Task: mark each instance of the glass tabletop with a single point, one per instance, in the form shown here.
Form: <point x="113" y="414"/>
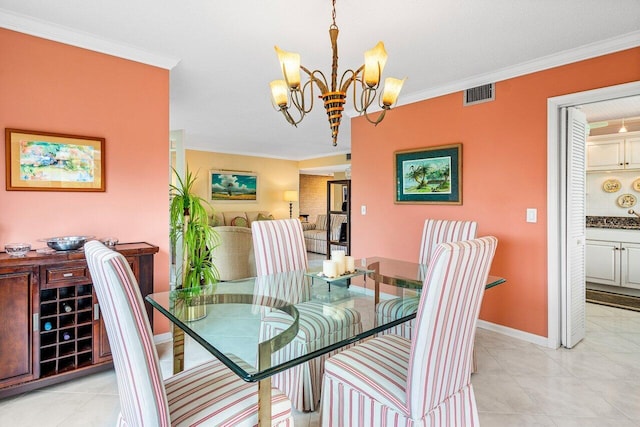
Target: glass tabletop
<point x="245" y="323"/>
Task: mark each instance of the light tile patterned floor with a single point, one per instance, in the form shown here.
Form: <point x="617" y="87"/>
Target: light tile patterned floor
<point x="519" y="384"/>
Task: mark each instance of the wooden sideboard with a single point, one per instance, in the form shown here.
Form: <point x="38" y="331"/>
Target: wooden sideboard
<point x="51" y="329"/>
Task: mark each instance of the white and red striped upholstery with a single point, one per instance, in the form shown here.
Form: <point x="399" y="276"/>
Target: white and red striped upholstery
<point x="438" y="231"/>
<point x="434" y="232"/>
<point x="279" y="248"/>
<point x="426" y="381"/>
<point x="208" y="394"/>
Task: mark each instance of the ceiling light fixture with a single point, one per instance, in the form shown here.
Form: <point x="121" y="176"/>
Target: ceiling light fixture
<point x="623" y="129"/>
<point x="289" y="92"/>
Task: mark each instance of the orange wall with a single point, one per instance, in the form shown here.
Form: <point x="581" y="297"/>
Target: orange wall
<point x="50" y="86"/>
<point x="504" y="165"/>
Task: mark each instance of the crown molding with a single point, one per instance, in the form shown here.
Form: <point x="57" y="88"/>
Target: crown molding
<point x="59" y="33"/>
<point x="592" y="50"/>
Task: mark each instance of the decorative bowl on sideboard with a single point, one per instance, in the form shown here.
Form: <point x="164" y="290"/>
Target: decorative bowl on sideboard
<point x="17" y="249"/>
<point x="67" y="243"/>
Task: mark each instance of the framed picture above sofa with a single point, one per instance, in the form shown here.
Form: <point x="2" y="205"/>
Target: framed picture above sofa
<point x="233" y="186"/>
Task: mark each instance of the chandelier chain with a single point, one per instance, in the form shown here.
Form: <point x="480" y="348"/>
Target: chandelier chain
<point x="333" y="14"/>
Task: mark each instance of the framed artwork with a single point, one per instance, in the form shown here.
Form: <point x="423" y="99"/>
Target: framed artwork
<point x="233" y="186"/>
<point x="45" y="161"/>
<point x="429" y="175"/>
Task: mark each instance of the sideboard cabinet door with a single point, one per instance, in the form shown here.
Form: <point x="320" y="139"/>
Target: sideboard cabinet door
<point x="18" y="328"/>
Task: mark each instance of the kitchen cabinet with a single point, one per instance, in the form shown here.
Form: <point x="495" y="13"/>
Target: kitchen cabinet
<point x="613" y="152"/>
<point x="613" y="263"/>
<point x="50" y="324"/>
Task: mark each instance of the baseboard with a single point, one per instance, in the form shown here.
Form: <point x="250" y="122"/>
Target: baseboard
<point x="514" y="333"/>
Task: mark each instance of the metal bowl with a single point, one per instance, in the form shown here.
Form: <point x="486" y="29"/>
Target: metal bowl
<point x="67" y="243"/>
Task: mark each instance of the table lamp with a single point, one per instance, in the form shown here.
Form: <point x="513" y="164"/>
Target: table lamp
<point x="291" y="196"/>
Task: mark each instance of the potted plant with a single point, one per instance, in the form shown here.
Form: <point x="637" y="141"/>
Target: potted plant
<point x="195" y="272"/>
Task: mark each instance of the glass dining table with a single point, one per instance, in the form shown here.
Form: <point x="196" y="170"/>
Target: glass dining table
<point x="227" y="319"/>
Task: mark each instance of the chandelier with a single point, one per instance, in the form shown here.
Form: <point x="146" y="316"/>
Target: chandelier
<point x="290" y="93"/>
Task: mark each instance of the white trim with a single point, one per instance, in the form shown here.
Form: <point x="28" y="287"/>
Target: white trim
<point x="514" y="333"/>
<point x="47" y="30"/>
<point x="162" y="338"/>
<point x="554" y="169"/>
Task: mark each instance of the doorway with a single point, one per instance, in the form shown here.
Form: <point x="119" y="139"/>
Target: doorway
<point x="558" y="219"/>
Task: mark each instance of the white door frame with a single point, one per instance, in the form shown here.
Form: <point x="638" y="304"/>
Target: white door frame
<point x="555" y="261"/>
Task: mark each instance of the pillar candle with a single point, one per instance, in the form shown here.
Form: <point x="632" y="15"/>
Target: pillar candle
<point x="350" y="264"/>
<point x="338" y="256"/>
<point x="329" y="268"/>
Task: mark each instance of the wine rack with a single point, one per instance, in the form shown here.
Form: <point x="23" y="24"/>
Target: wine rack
<point x="66" y="328"/>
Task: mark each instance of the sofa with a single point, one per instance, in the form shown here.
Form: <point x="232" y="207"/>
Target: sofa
<point x="315" y="234"/>
<point x="234" y="256"/>
<point x="238" y="218"/>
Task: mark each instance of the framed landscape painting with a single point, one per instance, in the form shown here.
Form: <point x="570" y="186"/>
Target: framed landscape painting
<point x="233" y="186"/>
<point x="429" y="175"/>
<point x="45" y="161"/>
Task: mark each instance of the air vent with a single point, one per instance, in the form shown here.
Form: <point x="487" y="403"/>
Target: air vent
<point x="480" y="94"/>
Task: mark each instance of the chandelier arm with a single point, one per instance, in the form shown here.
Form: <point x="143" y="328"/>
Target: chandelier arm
<point x="289" y="118"/>
<point x="322" y="84"/>
<point x="344" y="84"/>
<point x="297" y="100"/>
<point x="378" y="119"/>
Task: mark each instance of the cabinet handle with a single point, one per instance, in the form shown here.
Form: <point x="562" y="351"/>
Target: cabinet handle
<point x="622" y="249"/>
<point x="616" y="249"/>
<point x="96" y="311"/>
<point x="67" y="275"/>
<point x="36" y="322"/>
<point x="626" y="163"/>
<point x="620" y="164"/>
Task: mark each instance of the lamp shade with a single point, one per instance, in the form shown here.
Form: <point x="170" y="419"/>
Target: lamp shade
<point x="290" y="66"/>
<point x="374" y="62"/>
<point x="392" y="88"/>
<point x="279" y="93"/>
<point x="290" y="196"/>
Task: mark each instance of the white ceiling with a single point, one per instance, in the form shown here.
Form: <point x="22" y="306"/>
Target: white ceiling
<point x="225" y="57"/>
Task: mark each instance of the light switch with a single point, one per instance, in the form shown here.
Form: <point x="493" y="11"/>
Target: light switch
<point x="363" y="209"/>
<point x="532" y="215"/>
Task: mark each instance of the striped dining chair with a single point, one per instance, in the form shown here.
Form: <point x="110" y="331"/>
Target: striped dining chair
<point x="391" y="380"/>
<point x="207" y="394"/>
<point x="434" y="232"/>
<point x="279" y="248"/>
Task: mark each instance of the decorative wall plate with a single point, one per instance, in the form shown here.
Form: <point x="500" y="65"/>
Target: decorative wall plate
<point x="611" y="185"/>
<point x="636" y="185"/>
<point x="627" y="200"/>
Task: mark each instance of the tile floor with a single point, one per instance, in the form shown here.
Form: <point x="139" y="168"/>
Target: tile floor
<point x="519" y="384"/>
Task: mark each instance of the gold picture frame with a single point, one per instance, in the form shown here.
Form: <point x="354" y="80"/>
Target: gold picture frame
<point x="46" y="161"/>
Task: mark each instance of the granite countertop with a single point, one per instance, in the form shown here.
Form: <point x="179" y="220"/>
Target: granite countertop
<point x="614" y="222"/>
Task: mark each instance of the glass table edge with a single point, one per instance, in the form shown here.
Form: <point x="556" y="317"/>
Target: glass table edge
<point x="257" y="376"/>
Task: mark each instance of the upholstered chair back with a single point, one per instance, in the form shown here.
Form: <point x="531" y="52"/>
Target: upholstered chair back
<point x="442" y="345"/>
<point x="278" y="246"/>
<point x="437" y="231"/>
<point x="143" y="400"/>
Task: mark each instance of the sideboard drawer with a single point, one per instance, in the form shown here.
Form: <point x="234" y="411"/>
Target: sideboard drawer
<point x="75" y="272"/>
